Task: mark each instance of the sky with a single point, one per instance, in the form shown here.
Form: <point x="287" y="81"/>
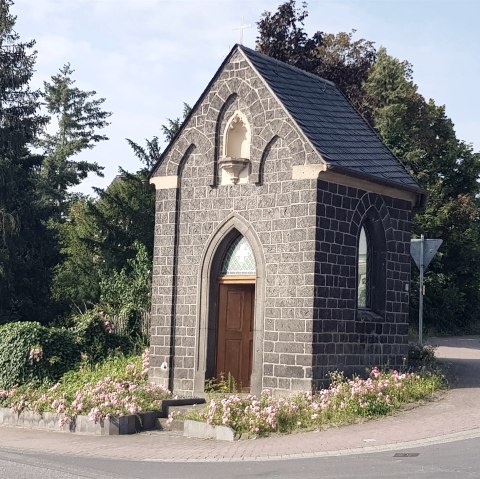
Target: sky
<point x="147" y="57"/>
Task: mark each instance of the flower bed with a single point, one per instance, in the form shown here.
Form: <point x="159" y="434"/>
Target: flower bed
<point x="126" y="392"/>
<point x="113" y="425"/>
<point x="345" y="401"/>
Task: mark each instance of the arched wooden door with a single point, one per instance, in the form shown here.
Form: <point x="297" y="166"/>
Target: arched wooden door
<point x="236" y="306"/>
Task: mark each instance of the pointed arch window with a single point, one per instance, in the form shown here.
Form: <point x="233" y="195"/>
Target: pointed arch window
<point x="371" y="266"/>
<point x="363" y="268"/>
<point x="239" y="259"/>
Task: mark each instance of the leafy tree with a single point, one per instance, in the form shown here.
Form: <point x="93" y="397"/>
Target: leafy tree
<point x="281" y="36"/>
<point x="98" y="237"/>
<point x="347" y="63"/>
<point x="420" y="134"/>
<point x="128" y="290"/>
<point x="78" y="116"/>
<point x="338" y="58"/>
<point x="25" y="244"/>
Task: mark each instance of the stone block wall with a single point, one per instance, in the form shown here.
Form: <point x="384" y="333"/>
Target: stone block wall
<point x="278" y="210"/>
<point x="345" y="338"/>
<point x="307" y="231"/>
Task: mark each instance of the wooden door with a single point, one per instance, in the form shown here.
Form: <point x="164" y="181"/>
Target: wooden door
<point x="235" y="333"/>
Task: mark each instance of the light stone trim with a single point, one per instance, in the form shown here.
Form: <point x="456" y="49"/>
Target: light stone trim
<point x="307" y="172"/>
<point x="370" y="186"/>
<point x="203" y="430"/>
<point x="165" y="182"/>
<point x="314" y="172"/>
<point x="208" y="314"/>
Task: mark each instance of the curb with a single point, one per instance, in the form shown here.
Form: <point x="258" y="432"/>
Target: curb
<point x="202" y="430"/>
<point x="444" y="439"/>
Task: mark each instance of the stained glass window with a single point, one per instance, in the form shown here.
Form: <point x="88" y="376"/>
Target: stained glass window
<point x="363" y="269"/>
<point x="239" y="259"/>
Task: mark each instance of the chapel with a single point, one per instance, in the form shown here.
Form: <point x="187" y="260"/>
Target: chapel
<point x="282" y="237"/>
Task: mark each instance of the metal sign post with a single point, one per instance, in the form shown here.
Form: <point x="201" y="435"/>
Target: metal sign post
<point x="420" y="293"/>
<point x="422" y="252"/>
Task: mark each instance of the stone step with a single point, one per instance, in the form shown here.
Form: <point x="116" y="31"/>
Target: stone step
<point x="169" y="405"/>
<point x="162" y="424"/>
<point x="184" y="409"/>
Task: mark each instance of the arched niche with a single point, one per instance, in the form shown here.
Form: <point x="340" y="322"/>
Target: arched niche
<point x="235" y="162"/>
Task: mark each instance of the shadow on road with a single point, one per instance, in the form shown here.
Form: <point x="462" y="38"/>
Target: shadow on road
<point x="462" y="357"/>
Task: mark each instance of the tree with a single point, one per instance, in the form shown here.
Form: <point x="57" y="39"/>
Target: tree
<point x="420" y="134"/>
<point x="25" y="244"/>
<point x="148" y="155"/>
<point x="423" y="137"/>
<point x="281" y="36"/>
<point x="173" y="126"/>
<point x="76" y="276"/>
<point x="98" y="237"/>
<point x="347" y="63"/>
<point x="338" y="58"/>
<point x="101" y="238"/>
<point x="78" y="116"/>
<point x="128" y="291"/>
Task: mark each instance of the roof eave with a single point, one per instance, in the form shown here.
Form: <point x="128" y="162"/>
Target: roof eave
<point x="420" y="193"/>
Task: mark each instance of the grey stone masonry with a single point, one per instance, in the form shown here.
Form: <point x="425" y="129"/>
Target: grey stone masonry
<point x="346" y="338"/>
<point x="279" y="210"/>
<point x="304" y="235"/>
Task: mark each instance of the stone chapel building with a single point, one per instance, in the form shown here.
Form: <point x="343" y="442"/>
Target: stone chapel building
<point x="282" y="236"/>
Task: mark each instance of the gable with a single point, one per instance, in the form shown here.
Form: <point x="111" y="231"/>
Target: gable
<point x="322" y="130"/>
<point x="236" y="91"/>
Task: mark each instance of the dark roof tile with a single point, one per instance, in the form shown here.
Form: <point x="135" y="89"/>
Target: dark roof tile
<point x="329" y="121"/>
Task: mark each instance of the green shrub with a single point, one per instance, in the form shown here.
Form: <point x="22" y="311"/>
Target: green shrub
<point x="421" y="356"/>
<point x="97" y="338"/>
<point x="32" y="353"/>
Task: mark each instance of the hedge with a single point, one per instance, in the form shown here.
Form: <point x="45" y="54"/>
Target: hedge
<point x="32" y="353"/>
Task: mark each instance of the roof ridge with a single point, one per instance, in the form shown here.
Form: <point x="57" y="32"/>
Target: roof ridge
<point x="329" y="122"/>
<point x="287" y="65"/>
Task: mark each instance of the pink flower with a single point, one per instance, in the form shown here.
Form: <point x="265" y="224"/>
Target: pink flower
<point x="36" y="354"/>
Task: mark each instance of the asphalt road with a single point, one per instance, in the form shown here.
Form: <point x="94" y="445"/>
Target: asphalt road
<point x="460" y="459"/>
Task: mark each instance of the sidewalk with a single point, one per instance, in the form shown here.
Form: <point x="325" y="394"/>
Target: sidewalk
<point x="456" y="416"/>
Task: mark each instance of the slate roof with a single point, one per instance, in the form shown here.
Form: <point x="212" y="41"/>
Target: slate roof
<point x="330" y="122"/>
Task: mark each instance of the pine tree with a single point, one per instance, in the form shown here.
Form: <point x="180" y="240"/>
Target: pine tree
<point x="25" y="244"/>
<point x="79" y="117"/>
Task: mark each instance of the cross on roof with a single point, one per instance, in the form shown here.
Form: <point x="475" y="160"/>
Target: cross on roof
<point x="242" y="27"/>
